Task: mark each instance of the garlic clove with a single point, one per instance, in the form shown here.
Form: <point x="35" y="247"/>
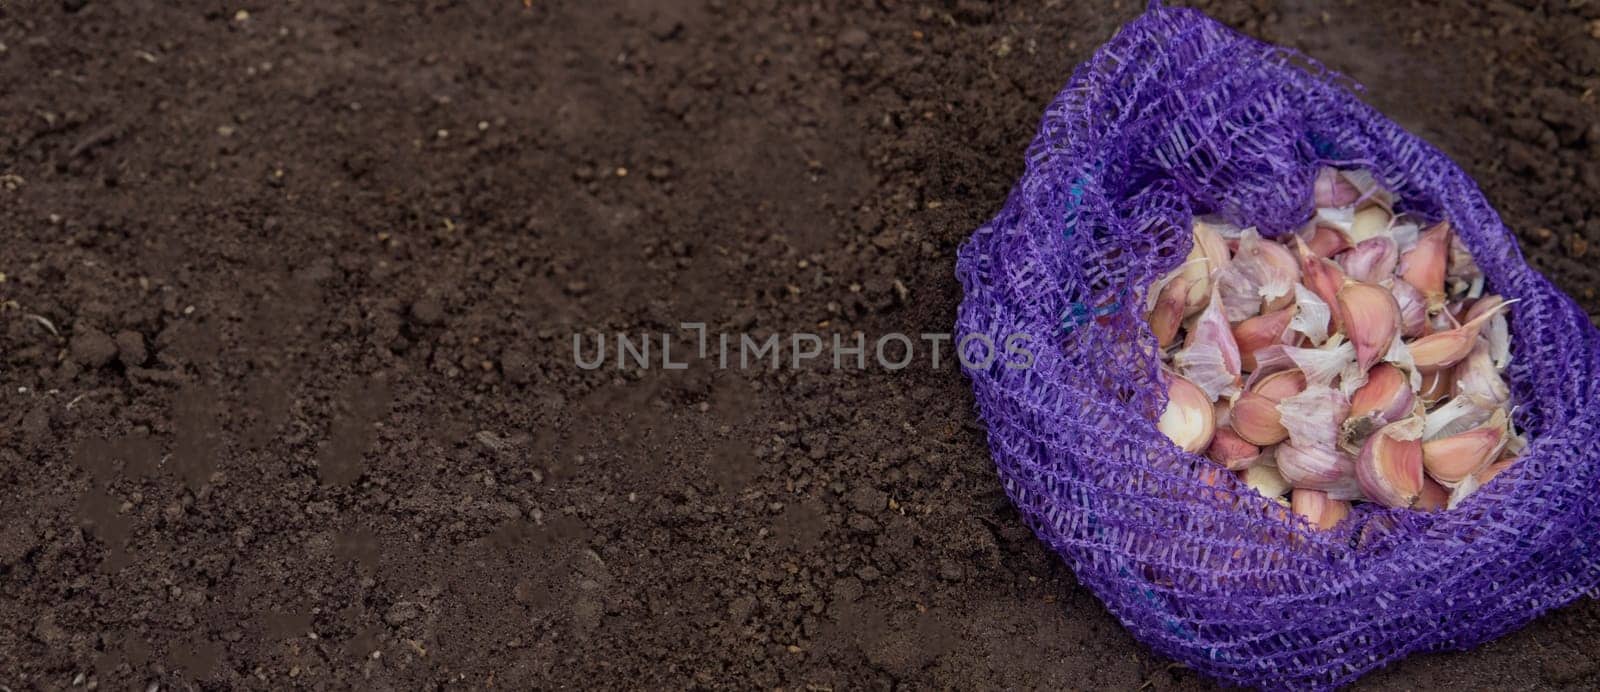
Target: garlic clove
<point x="1370" y="222"/>
<point x="1424" y="265"/>
<point x="1332" y="190"/>
<point x="1413" y="308"/>
<point x="1324" y="278"/>
<point x="1483" y="305"/>
<point x="1498" y="329"/>
<point x="1326" y="241"/>
<point x="1433" y="498"/>
<point x="1313" y="417"/>
<point x="1371" y="319"/>
<point x="1371" y="260"/>
<point x="1446" y="348"/>
<point x="1487" y="474"/>
<point x="1270" y="266"/>
<point x="1318" y="468"/>
<point x="1256" y="420"/>
<point x="1477" y="376"/>
<point x="1451" y="459"/>
<point x="1317" y="508"/>
<point x="1436" y="385"/>
<point x="1461" y="267"/>
<point x="1389" y="467"/>
<point x="1265" y="480"/>
<point x="1166" y="315"/>
<point x="1261" y="331"/>
<point x="1232" y="451"/>
<point x="1188" y="420"/>
<point x="1210" y="356"/>
<point x="1385" y="398"/>
<point x="1207" y="255"/>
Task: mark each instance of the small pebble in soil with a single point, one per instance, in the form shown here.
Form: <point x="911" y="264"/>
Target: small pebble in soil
<point x="131" y="349"/>
<point x="91" y="347"/>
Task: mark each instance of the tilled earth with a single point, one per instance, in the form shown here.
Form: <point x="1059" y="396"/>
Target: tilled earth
<point x="287" y="389"/>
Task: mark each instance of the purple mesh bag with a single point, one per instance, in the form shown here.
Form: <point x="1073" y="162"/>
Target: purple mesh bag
<point x="1176" y="116"/>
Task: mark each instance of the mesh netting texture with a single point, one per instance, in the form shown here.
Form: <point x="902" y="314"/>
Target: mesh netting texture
<point x="1178" y="116"/>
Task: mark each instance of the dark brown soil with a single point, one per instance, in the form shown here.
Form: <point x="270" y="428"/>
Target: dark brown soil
<point x="288" y="390"/>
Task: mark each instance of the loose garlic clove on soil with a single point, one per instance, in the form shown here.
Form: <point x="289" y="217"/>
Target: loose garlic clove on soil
<point x="1424" y="267"/>
<point x="1451" y="459"/>
<point x="1189" y="419"/>
<point x="1371" y="319"/>
<point x="1315" y="506"/>
<point x="1372" y="260"/>
<point x="1232" y="451"/>
<point x="1389" y="467"/>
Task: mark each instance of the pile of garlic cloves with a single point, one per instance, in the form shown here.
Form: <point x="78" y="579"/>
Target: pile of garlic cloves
<point x="1357" y="359"/>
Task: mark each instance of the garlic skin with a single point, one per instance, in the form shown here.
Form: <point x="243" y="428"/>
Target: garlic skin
<point x="1454" y="458"/>
<point x="1311" y="315"/>
<point x="1325" y="241"/>
<point x="1413" y="309"/>
<point x="1371" y="319"/>
<point x="1332" y="190"/>
<point x="1271" y="267"/>
<point x="1312" y="417"/>
<point x="1324" y="278"/>
<point x="1371" y="190"/>
<point x="1424" y="265"/>
<point x="1318" y="468"/>
<point x="1389" y="467"/>
<point x="1210" y="356"/>
<point x="1317" y="508"/>
<point x="1498" y="330"/>
<point x="1458" y="415"/>
<point x="1477" y="376"/>
<point x="1321" y="366"/>
<point x="1188" y="420"/>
